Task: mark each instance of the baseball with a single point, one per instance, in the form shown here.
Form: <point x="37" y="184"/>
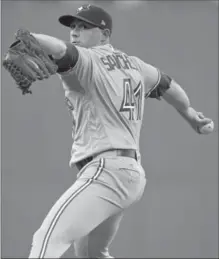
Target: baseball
<point x="206" y="129"/>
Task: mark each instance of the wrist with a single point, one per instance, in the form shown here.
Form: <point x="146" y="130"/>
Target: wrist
<point x="51" y="45"/>
<point x="190" y="115"/>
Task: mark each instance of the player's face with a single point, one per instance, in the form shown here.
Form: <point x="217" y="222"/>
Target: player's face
<point x="85" y="35"/>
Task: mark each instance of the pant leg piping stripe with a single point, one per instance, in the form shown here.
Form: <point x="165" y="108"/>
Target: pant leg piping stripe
<point x="65" y="204"/>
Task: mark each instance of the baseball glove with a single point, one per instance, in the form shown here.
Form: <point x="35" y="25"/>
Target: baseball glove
<point x="27" y="62"/>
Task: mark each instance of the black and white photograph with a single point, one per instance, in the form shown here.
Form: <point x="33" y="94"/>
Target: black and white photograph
<point x="109" y="129"/>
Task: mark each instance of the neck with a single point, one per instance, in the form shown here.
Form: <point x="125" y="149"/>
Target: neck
<point x="104" y="42"/>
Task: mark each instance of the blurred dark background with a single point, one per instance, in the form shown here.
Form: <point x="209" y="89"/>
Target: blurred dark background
<point x="178" y="214"/>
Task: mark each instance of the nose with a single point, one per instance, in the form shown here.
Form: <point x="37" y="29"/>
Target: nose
<point x="75" y="33"/>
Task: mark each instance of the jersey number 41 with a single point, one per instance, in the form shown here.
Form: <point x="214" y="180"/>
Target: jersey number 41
<point x="132" y="100"/>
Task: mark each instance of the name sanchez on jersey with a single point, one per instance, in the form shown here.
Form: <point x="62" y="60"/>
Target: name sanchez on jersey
<point x="119" y="61"/>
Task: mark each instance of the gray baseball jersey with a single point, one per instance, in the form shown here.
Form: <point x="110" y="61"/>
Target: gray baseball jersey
<point x="105" y="94"/>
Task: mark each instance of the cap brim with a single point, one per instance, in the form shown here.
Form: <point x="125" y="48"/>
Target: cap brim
<point x="67" y="20"/>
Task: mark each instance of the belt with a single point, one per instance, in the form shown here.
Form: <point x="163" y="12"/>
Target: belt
<point x="111" y="152"/>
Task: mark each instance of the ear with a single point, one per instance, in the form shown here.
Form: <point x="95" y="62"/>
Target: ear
<point x="106" y="33"/>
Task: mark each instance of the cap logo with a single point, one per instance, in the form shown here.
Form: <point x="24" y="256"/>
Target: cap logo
<point x="103" y="23"/>
<point x="83" y="8"/>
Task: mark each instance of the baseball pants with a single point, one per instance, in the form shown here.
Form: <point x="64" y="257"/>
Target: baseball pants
<point x="88" y="214"/>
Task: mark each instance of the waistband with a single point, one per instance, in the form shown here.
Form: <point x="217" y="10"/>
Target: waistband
<point x="112" y="152"/>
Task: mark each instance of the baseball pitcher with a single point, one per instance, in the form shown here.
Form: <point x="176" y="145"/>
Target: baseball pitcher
<point x="105" y="91"/>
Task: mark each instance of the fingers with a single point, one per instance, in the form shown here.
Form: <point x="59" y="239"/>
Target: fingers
<point x="201" y="120"/>
<point x="29" y="41"/>
<point x="200" y="115"/>
<point x="205" y="121"/>
<point x="52" y="67"/>
<point x="34" y="69"/>
<point x="45" y="66"/>
<point x="41" y="68"/>
<point x="48" y="67"/>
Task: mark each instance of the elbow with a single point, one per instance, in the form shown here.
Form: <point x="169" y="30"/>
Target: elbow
<point x="177" y="97"/>
<point x="69" y="59"/>
<point x="60" y="51"/>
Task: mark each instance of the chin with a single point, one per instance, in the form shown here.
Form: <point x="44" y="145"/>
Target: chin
<point x="79" y="44"/>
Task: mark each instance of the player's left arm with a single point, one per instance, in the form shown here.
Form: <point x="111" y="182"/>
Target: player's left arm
<point x="51" y="45"/>
<point x="64" y="53"/>
<point x="68" y="57"/>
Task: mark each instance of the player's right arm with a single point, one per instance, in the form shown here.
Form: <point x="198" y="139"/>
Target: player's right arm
<point x="177" y="97"/>
<point x="156" y="82"/>
<point x="161" y="85"/>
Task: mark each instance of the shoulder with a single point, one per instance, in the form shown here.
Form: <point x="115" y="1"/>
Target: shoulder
<point x="74" y="55"/>
<point x="143" y="65"/>
<point x="139" y="61"/>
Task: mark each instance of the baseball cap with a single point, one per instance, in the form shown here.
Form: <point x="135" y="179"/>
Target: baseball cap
<point x="91" y="14"/>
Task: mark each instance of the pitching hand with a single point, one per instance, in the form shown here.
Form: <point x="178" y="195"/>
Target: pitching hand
<point x="199" y="121"/>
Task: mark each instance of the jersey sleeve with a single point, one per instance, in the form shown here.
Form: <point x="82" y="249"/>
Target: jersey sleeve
<point x="83" y="68"/>
<point x="151" y="76"/>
